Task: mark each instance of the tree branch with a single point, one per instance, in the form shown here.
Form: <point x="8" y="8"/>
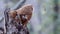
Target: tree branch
<point x="19" y="4"/>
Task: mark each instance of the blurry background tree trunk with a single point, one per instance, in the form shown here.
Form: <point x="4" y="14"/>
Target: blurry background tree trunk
<point x="57" y="17"/>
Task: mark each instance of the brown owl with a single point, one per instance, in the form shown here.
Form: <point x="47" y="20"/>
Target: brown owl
<point x="25" y="13"/>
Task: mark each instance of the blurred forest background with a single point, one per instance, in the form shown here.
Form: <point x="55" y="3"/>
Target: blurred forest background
<point x="45" y="18"/>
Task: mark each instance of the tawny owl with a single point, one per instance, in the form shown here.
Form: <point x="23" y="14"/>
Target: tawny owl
<point x="25" y="12"/>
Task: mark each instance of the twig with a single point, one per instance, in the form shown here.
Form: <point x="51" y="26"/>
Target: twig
<point x="19" y="4"/>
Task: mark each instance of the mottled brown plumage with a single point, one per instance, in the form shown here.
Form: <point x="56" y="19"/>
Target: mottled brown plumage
<point x="25" y="12"/>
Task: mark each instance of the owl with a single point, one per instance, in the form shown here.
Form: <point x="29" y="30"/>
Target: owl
<point x="25" y="13"/>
